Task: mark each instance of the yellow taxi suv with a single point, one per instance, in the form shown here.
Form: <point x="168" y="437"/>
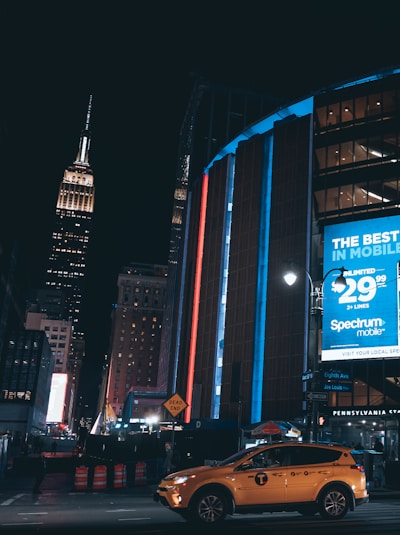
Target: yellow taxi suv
<point x="286" y="476"/>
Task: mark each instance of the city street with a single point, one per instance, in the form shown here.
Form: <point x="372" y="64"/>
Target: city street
<point x="132" y="510"/>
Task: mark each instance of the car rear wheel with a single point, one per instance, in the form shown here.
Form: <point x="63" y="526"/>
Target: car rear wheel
<point x="209" y="507"/>
<point x="334" y="503"/>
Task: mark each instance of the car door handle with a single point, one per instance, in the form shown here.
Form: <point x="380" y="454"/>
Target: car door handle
<point x="275" y="474"/>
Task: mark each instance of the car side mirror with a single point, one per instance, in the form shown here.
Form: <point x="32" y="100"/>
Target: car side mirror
<point x="247" y="466"/>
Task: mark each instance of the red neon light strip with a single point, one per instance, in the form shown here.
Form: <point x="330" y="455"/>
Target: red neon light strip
<point x="196" y="300"/>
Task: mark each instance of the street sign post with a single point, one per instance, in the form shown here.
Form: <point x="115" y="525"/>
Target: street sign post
<point x="174" y="405"/>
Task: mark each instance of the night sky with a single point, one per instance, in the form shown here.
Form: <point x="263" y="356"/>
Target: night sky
<point x="138" y="61"/>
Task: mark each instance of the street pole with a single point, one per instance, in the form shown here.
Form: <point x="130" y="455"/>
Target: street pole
<point x="316" y="312"/>
<point x="239" y="423"/>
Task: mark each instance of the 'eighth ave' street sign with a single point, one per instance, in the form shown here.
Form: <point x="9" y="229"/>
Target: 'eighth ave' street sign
<point x="175" y="405"/>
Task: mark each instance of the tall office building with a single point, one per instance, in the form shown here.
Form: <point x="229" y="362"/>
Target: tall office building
<point x="58" y="332"/>
<point x="72" y="227"/>
<point x="135" y="386"/>
<point x="69" y="244"/>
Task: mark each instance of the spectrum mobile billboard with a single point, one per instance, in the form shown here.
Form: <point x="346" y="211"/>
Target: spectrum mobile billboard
<point x="361" y="321"/>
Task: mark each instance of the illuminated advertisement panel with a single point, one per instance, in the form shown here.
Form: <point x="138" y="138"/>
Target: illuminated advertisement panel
<point x="361" y="321"/>
<point x="55" y="410"/>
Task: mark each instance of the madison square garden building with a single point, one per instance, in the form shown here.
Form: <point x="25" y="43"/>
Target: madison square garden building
<point x="315" y="184"/>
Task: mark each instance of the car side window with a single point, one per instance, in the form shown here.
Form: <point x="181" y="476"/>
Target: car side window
<point x="259" y="460"/>
<point x="276" y="457"/>
<point x="313" y="455"/>
<point x="267" y="458"/>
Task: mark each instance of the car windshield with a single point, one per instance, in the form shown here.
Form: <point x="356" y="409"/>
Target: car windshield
<point x="237" y="456"/>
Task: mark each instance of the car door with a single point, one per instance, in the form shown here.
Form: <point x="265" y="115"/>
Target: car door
<point x="259" y="483"/>
<point x="309" y="467"/>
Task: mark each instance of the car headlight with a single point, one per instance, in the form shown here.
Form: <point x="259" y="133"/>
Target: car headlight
<point x="180" y="480"/>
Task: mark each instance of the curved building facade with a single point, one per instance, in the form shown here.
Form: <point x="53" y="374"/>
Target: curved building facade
<point x="315" y="184"/>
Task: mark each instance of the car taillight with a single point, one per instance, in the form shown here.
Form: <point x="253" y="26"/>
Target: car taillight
<point x="359" y="467"/>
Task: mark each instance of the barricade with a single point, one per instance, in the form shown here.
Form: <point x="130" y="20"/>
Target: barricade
<point x="119" y="476"/>
<point x="100" y="477"/>
<point x="140" y="474"/>
<point x="81" y="478"/>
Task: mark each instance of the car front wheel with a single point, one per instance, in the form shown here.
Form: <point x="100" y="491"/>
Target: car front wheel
<point x="334" y="503"/>
<point x="209" y="508"/>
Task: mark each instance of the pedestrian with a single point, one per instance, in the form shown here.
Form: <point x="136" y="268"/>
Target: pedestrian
<point x="379" y="465"/>
<point x="378" y="446"/>
<point x="40" y="472"/>
<point x="169" y="453"/>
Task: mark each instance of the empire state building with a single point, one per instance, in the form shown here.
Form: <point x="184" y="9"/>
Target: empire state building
<point x="70" y="239"/>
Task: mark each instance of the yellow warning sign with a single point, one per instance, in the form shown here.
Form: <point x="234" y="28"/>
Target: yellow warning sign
<point x="175" y="405"/>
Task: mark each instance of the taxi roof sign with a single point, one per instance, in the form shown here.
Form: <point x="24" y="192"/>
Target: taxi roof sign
<point x="175" y="404"/>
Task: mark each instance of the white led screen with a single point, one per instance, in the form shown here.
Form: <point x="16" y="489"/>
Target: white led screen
<point x="362" y="320"/>
<point x="55" y="410"/>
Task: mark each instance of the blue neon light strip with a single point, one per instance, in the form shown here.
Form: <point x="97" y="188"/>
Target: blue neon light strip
<point x="265" y="125"/>
<point x="226" y="240"/>
<point x="372" y="78"/>
<point x="262" y="282"/>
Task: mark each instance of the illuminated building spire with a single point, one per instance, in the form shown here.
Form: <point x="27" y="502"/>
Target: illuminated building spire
<point x="84" y="143"/>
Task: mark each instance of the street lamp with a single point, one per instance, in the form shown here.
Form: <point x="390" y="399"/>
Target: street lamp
<point x="316" y="311"/>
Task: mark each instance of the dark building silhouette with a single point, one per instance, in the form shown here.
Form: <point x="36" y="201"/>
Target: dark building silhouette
<point x="25" y="383"/>
<point x="11" y="311"/>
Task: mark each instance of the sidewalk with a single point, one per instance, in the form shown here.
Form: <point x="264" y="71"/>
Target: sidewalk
<point x="384" y="493"/>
